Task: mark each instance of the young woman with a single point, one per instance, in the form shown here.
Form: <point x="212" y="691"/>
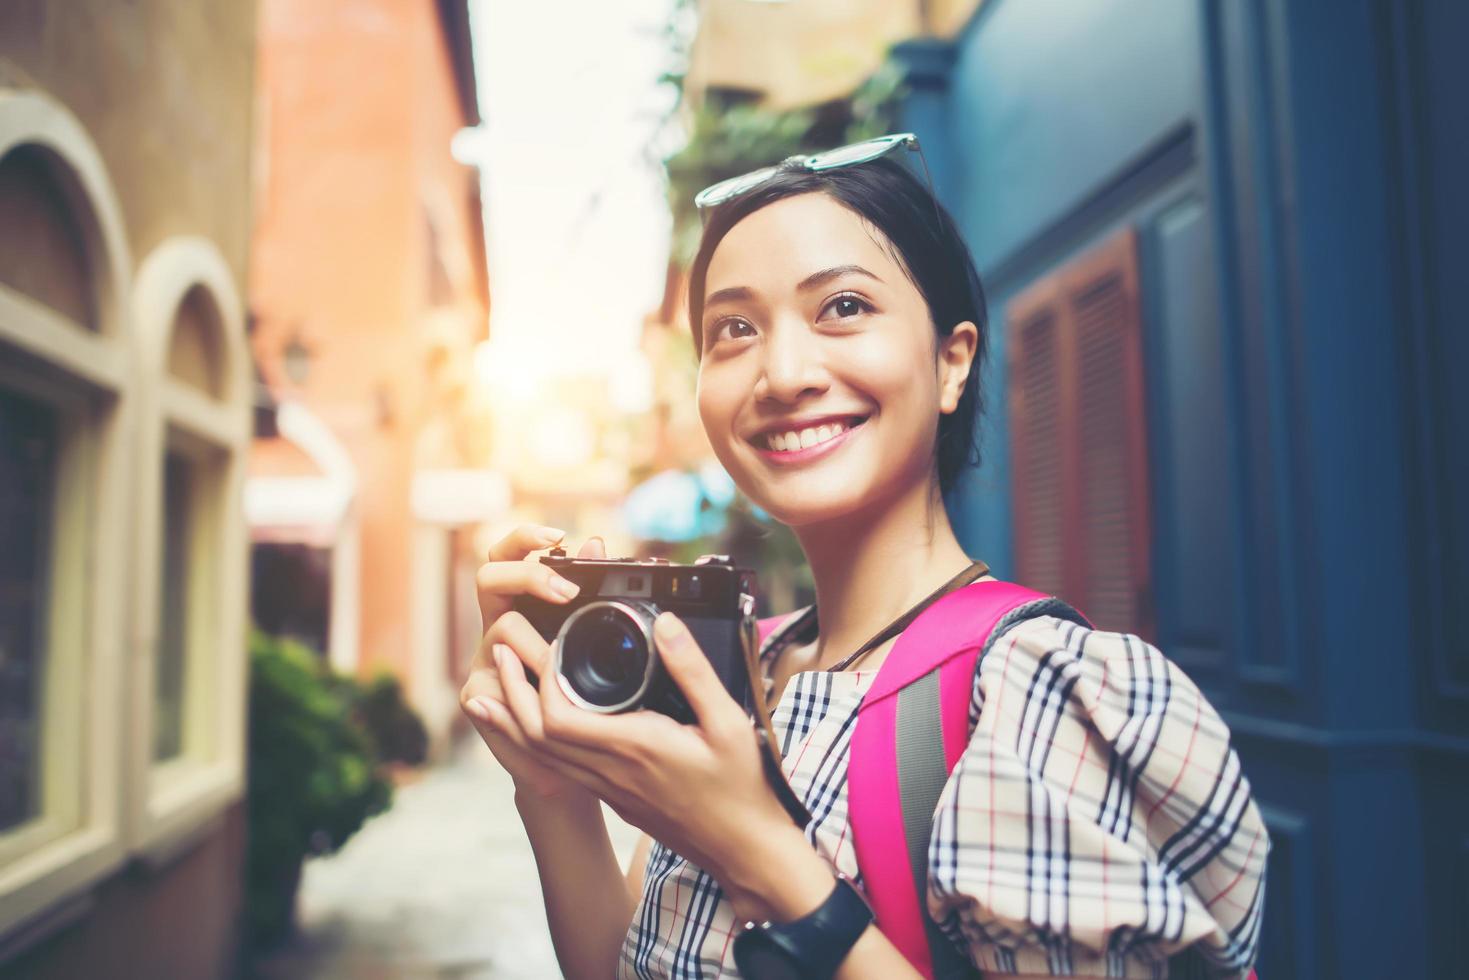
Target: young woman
<point x="1097" y="823"/>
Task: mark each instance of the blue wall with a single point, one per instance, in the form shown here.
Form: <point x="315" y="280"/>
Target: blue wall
<point x="1046" y="96"/>
<point x="1034" y="166"/>
<point x="1297" y="176"/>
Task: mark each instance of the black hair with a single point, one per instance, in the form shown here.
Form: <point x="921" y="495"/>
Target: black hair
<point x="928" y="248"/>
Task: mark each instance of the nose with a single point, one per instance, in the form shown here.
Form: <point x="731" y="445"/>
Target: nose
<point x="792" y="366"/>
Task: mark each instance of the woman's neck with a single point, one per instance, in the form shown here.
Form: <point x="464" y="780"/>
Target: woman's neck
<point x="870" y="568"/>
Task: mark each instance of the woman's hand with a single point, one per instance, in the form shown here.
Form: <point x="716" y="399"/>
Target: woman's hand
<point x="563" y="820"/>
<point x="699" y="789"/>
<point x="507" y="574"/>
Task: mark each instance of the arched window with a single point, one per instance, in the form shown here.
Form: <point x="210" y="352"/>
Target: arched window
<point x="67" y="394"/>
<point x="187" y="734"/>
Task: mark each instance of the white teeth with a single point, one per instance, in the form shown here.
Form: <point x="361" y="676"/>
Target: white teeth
<point x="785" y="442"/>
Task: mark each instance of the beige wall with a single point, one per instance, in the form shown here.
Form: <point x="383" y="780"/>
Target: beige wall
<point x="164" y="88"/>
<point x="178" y="922"/>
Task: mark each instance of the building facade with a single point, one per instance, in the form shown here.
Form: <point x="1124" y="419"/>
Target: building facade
<point x="367" y="296"/>
<point x="124" y="426"/>
<point x="1219" y="243"/>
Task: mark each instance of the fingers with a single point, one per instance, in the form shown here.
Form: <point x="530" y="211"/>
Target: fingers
<point x="527" y="646"/>
<point x="499" y="722"/>
<point x="579" y="734"/>
<point x="523" y="540"/>
<point x="490" y="719"/>
<point x="495" y="726"/>
<point x="695" y="676"/>
<point x="483" y="679"/>
<point x="499" y="581"/>
<point x="510" y="573"/>
<point x="525" y="707"/>
<point x="593" y="548"/>
<point x="520" y="697"/>
<point x="498" y="726"/>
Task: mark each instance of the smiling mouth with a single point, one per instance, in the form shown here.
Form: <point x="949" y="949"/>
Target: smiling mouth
<point x="794" y="440"/>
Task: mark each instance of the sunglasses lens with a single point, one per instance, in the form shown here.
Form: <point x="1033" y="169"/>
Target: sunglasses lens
<point x="842" y="156"/>
<point x="734" y="187"/>
<point x="845" y="156"/>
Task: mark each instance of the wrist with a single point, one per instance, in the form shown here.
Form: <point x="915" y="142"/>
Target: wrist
<point x="572" y="803"/>
<point x="810" y="947"/>
<point x="777" y="876"/>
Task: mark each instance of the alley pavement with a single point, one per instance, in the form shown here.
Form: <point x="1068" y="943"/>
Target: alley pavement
<point x="442" y="885"/>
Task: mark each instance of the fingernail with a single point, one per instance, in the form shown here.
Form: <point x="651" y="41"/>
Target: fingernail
<point x="564" y="587"/>
<point x="668" y="626"/>
<point x="479" y="707"/>
<point x="551" y="533"/>
<point x="500" y="651"/>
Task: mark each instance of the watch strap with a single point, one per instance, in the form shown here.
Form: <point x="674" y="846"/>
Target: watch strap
<point x="816" y="943"/>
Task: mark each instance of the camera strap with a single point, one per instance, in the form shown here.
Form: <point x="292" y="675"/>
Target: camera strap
<point x="976" y="570"/>
<point x="764" y="732"/>
<point x="760" y="710"/>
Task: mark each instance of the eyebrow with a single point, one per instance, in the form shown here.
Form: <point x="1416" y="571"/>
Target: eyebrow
<point x="728" y="295"/>
<point x="739" y="293"/>
<point x="835" y="272"/>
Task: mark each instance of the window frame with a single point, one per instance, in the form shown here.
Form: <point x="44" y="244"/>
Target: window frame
<point x="181" y="797"/>
<point x="61" y="766"/>
<point x="89" y="369"/>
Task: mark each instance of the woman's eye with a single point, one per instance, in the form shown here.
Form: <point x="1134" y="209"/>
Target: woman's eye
<point x="843" y="307"/>
<point x="733" y="329"/>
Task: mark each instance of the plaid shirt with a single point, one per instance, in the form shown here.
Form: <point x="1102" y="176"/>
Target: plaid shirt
<point x="1097" y="823"/>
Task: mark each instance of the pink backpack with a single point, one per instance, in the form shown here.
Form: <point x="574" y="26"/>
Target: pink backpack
<point x="898" y="766"/>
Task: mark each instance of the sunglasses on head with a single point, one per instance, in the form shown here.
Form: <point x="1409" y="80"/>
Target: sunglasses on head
<point x="843" y="156"/>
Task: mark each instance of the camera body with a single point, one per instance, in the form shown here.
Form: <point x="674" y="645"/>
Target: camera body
<point x="602" y="641"/>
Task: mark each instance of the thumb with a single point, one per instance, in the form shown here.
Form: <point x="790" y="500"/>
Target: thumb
<point x="594" y="548"/>
<point x="692" y="672"/>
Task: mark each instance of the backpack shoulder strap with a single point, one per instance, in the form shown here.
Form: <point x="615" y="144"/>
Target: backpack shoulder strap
<point x="774" y="624"/>
<point x="912" y="727"/>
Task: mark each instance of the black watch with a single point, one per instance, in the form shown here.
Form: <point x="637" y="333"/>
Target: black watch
<point x="810" y="948"/>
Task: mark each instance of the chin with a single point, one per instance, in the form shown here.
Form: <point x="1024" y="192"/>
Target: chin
<point x="796" y="513"/>
<point x="798" y="500"/>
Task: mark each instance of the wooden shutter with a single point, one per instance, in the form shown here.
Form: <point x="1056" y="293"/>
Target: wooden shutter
<point x="1078" y="436"/>
<point x="1037" y="431"/>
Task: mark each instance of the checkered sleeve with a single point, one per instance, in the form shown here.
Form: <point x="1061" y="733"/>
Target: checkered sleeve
<point x="1098" y="823"/>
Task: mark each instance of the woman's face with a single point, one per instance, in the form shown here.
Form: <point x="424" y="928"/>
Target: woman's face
<point x="821" y="380"/>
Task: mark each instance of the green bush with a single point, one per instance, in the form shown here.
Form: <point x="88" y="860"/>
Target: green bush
<point x="396" y="731"/>
<point x="313" y="776"/>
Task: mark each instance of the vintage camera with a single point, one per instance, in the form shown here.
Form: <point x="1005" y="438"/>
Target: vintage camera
<point x="602" y="641"/>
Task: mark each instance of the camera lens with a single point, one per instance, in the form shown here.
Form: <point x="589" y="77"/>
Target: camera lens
<point x="603" y="655"/>
<point x="613" y="657"/>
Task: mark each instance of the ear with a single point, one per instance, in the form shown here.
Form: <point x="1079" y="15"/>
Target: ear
<point x="956" y="357"/>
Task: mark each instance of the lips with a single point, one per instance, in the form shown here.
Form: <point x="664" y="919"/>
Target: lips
<point x="789" y="437"/>
<point x="790" y="441"/>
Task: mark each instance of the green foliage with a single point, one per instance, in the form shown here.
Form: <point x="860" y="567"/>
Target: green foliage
<point x="725" y="143"/>
<point x="396" y="731"/>
<point x="313" y="775"/>
<point x="729" y="140"/>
